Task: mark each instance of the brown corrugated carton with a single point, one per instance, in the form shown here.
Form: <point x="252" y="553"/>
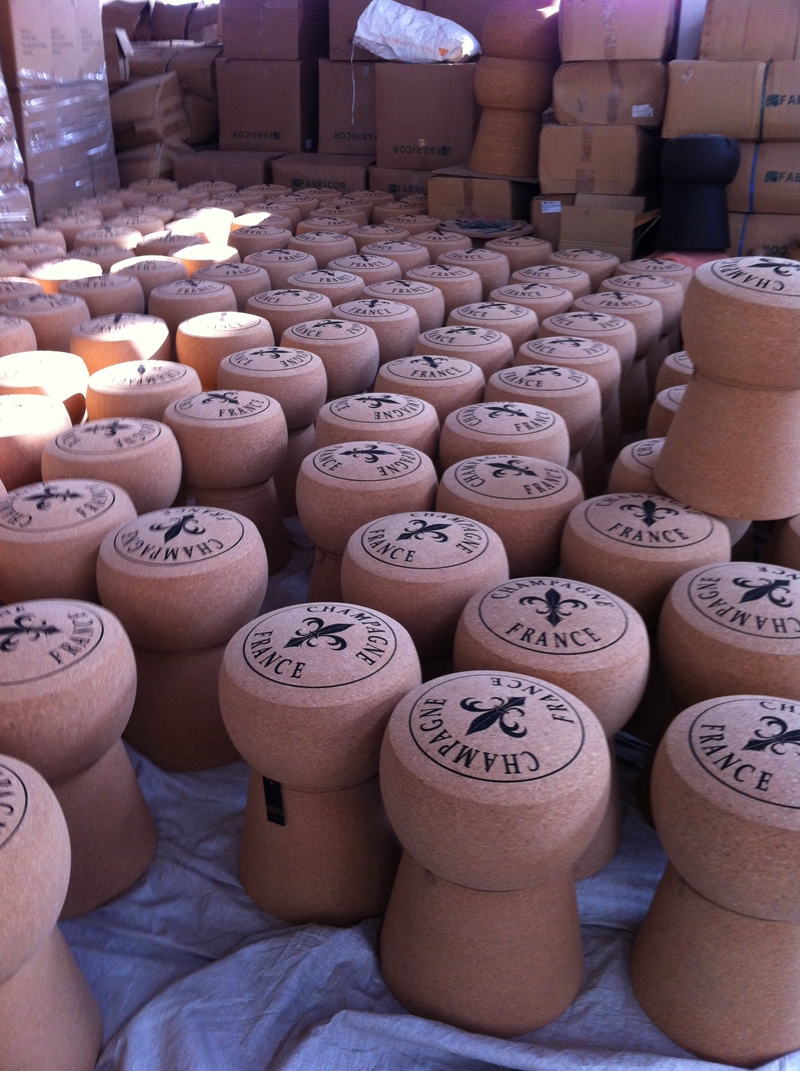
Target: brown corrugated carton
<point x="148" y="111"/>
<point x="762" y="235"/>
<point x="347" y="107"/>
<point x="45" y="42"/>
<point x="768" y="179"/>
<point x="546" y="214"/>
<point x="616" y="29"/>
<point x="750" y="30"/>
<point x="621" y="231"/>
<point x="456" y="191"/>
<point x="630" y="92"/>
<point x="322" y="171"/>
<point x="267" y="104"/>
<point x="398" y="180"/>
<point x="242" y="168"/>
<point x="274" y="29"/>
<point x="343" y="17"/>
<point x="596" y="159"/>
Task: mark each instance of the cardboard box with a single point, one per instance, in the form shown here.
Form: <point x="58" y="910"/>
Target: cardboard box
<point x="762" y="235"/>
<point x="347" y="121"/>
<point x="267" y="105"/>
<point x="471" y="14"/>
<point x="427" y="114"/>
<point x="343" y="18"/>
<point x="195" y="65"/>
<point x="118" y="51"/>
<point x="73" y="184"/>
<point x="241" y="168"/>
<point x="625" y="232"/>
<point x="768" y="179"/>
<point x="630" y="92"/>
<point x="456" y="192"/>
<point x="150" y="161"/>
<point x="398" y="181"/>
<point x="547" y="211"/>
<point x="170" y="21"/>
<point x="127" y="15"/>
<point x="274" y="29"/>
<point x="597" y="159"/>
<point x="148" y="111"/>
<point x="616" y="29"/>
<point x="203" y="118"/>
<point x="45" y="41"/>
<point x="203" y="24"/>
<point x="750" y="30"/>
<point x="322" y="171"/>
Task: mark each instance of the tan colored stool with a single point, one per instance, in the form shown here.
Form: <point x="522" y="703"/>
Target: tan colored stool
<point x="614" y="331"/>
<point x="397" y="418"/>
<point x="422" y="567"/>
<point x="105" y="256"/>
<point x="48" y="1016"/>
<point x="415" y="222"/>
<point x="396" y="325"/>
<point x="316" y="846"/>
<point x="150" y="271"/>
<point x="667" y="292"/>
<point x="489" y="350"/>
<point x="368" y="267"/>
<point x="594" y="357"/>
<point x="30" y="235"/>
<point x="337" y="286"/>
<point x="486" y="941"/>
<point x="137" y="389"/>
<point x="670" y="269"/>
<point x="67" y="682"/>
<point x="324" y="225"/>
<point x="324" y="246"/>
<point x="426" y="300"/>
<point x="503" y="428"/>
<point x="118" y="338"/>
<point x="302" y="441"/>
<point x="247" y="240"/>
<point x="634" y="468"/>
<point x="52" y="317"/>
<point x="179" y="301"/>
<point x="519" y="323"/>
<point x="348" y="350"/>
<point x="524" y="500"/>
<point x="597" y="264"/>
<point x="637" y="545"/>
<point x="50" y="534"/>
<point x="572" y="394"/>
<point x="522" y="252"/>
<point x="124" y="237"/>
<point x="285" y="308"/>
<point x="245" y="280"/>
<point x="542" y="299"/>
<point x="378" y="232"/>
<point x="281" y="264"/>
<point x="296" y="379"/>
<point x="107" y="295"/>
<point x="560" y="275"/>
<point x="663" y="410"/>
<point x="32" y="255"/>
<point x="165" y="244"/>
<point x="459" y="285"/>
<point x="645" y="313"/>
<point x="204" y="341"/>
<point x="52" y="274"/>
<point x="18" y="286"/>
<point x="27" y="423"/>
<point x="492" y="267"/>
<point x="56" y="375"/>
<point x="406" y="253"/>
<point x="721" y="785"/>
<point x="446" y="383"/>
<point x="141" y="456"/>
<point x="438" y="242"/>
<point x="205" y="254"/>
<point x="676" y="369"/>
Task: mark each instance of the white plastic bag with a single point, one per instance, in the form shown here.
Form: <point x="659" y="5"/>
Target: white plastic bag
<point x="396" y="32"/>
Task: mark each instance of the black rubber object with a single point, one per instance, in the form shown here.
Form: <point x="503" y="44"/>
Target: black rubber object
<point x="693" y="216"/>
<point x="698" y="158"/>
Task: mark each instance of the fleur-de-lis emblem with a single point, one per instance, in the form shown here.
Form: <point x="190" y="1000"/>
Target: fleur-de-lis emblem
<point x="44" y="499"/>
<point x="555" y="608"/>
<point x="370" y="454"/>
<point x="141" y="370"/>
<point x="512" y="467"/>
<point x="778" y="741"/>
<point x="432" y="362"/>
<point x="487" y="716"/>
<point x="779" y="267"/>
<point x="648" y="512"/>
<point x="541" y="369"/>
<point x="229" y="397"/>
<point x="418" y="529"/>
<point x="509" y="409"/>
<point x="463" y="329"/>
<point x="108" y="430"/>
<point x="375" y="401"/>
<point x="776" y="591"/>
<point x="172" y="529"/>
<point x="24" y="625"/>
<point x="319" y="631"/>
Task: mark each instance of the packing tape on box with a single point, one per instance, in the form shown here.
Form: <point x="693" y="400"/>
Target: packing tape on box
<point x="614" y="97"/>
<point x="585" y="175"/>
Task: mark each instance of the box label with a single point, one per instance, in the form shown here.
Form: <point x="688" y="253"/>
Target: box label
<point x="550" y="207"/>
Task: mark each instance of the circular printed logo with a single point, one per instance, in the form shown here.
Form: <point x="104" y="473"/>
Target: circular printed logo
<point x="364" y="260"/>
<point x="653" y="522"/>
<point x="428" y="367"/>
<point x="550" y="271"/>
<point x="396" y="247"/>
<point x="143" y="374"/>
<point x="289" y="298"/>
<point x="40" y="639"/>
<point x="648" y="265"/>
<point x="223" y="405"/>
<point x="270" y="359"/>
<point x="329" y="330"/>
<point x="401" y="288"/>
<point x="496" y="727"/>
<point x="122" y="323"/>
<point x="236" y="271"/>
<point x="36" y="303"/>
<point x="324" y="275"/>
<point x="187" y="287"/>
<point x="180" y="535"/>
<point x="108" y="436"/>
<point x="424" y="540"/>
<point x="752" y="746"/>
<point x="505" y="419"/>
<point x="753" y="600"/>
<point x="762" y="275"/>
<point x="673" y="396"/>
<point x="523" y="242"/>
<point x="642" y="282"/>
<point x="614" y="299"/>
<point x="682" y="360"/>
<point x="510" y="476"/>
<point x="368" y="462"/>
<point x="531" y="290"/>
<point x="552" y="616"/>
<point x="13" y="803"/>
<point x="566" y="347"/>
<point x="319" y="645"/>
<point x="279" y="256"/>
<point x="322" y="236"/>
<point x="493" y="310"/>
<point x="377" y="408"/>
<point x="462" y="336"/>
<point x="594" y="255"/>
<point x="373" y="308"/>
<point x="55" y="506"/>
<point x="595" y="322"/>
<point x="646" y="452"/>
<point x="440" y="271"/>
<point x="542" y="377"/>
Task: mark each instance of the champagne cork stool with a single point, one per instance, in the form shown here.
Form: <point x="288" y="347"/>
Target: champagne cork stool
<point x="597" y="264"/>
<point x="296" y="379"/>
<point x="489" y="350"/>
<point x="138" y="389"/>
<point x="324" y="225"/>
<point x="285" y="308"/>
<point x="722" y="786"/>
<point x="124" y="237"/>
<point x="572" y="394"/>
<point x="316" y="846"/>
<point x="349" y="352"/>
<point x="397" y="418"/>
<point x="459" y="285"/>
<point x="63" y="376"/>
<point x="247" y="240"/>
<point x="48" y="1016"/>
<point x="438" y="242"/>
<point x="663" y="410"/>
<point x="150" y="271"/>
<point x="337" y="286"/>
<point x="323" y="246"/>
<point x="422" y="567"/>
<point x="574" y="280"/>
<point x="179" y="301"/>
<point x="425" y="299"/>
<point x="368" y="267"/>
<point x="195" y="257"/>
<point x="614" y="331"/>
<point x="503" y="428"/>
<point x="522" y="252"/>
<point x="182" y="581"/>
<point x="446" y="383"/>
<point x="18" y="286"/>
<point x="27" y="423"/>
<point x="489" y="941"/>
<point x="637" y="545"/>
<point x="579" y="637"/>
<point x="52" y="317"/>
<point x="245" y="280"/>
<point x="281" y="264"/>
<point x="542" y="299"/>
<point x="676" y="370"/>
<point x="405" y="253"/>
<point x="644" y="313"/>
<point x="415" y="222"/>
<point x="524" y="500"/>
<point x="204" y="341"/>
<point x="492" y="267"/>
<point x="516" y="321"/>
<point x="26" y="235"/>
<point x="634" y="468"/>
<point x="34" y="254"/>
<point x="141" y="456"/>
<point x="667" y="292"/>
<point x="67" y="682"/>
<point x="380" y="233"/>
<point x="668" y="269"/>
<point x="396" y="326"/>
<point x="50" y="534"/>
<point x="105" y="256"/>
<point x="107" y="294"/>
<point x="598" y="359"/>
<point x="165" y="244"/>
<point x="341" y="487"/>
<point x="70" y="223"/>
<point x="119" y="338"/>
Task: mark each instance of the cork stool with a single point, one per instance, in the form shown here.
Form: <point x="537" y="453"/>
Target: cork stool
<point x="118" y="338"/>
<point x="67" y="683"/>
<point x="567" y="391"/>
<point x="437" y="242"/>
<point x="634" y="468"/>
<point x="396" y="325"/>
<point x="579" y="637"/>
<point x="343" y="486"/>
<point x="405" y="253"/>
<point x="675" y="371"/>
<point x="422" y="567"/>
<point x="182" y="581"/>
<point x="182" y="300"/>
<point x="349" y="352"/>
<point x="316" y="846"/>
<point x="517" y="321"/>
<point x="27" y="423"/>
<point x="483" y="939"/>
<point x="204" y="341"/>
<point x="138" y="389"/>
<point x="597" y="264"/>
<point x="574" y="280"/>
<point x="662" y="266"/>
<point x="281" y="264"/>
<point x="521" y="252"/>
<point x="48" y="1016"/>
<point x="662" y="412"/>
<point x="722" y="785"/>
<point x="150" y="271"/>
<point x="425" y="299"/>
<point x="336" y="286"/>
<point x="396" y="418"/>
<point x="107" y="294"/>
<point x="503" y="428"/>
<point x="490" y="350"/>
<point x="62" y="376"/>
<point x="459" y="285"/>
<point x="284" y="308"/>
<point x="245" y="280"/>
<point x="368" y="267"/>
<point x="541" y="298"/>
<point x="525" y="500"/>
<point x="296" y="379"/>
<point x="492" y="267"/>
<point x="447" y="383"/>
<point x="52" y="317"/>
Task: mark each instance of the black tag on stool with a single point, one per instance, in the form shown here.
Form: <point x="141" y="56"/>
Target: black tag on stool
<point x="273" y="797"/>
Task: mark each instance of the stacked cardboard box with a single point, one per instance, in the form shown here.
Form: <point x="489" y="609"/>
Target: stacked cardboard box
<point x="195" y="68"/>
<point x="15" y="200"/>
<point x="150" y="127"/>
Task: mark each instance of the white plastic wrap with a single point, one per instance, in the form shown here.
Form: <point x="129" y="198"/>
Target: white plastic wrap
<point x="396" y="32"/>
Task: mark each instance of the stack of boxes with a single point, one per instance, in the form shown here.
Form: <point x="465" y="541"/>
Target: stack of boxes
<point x="15" y="200"/>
